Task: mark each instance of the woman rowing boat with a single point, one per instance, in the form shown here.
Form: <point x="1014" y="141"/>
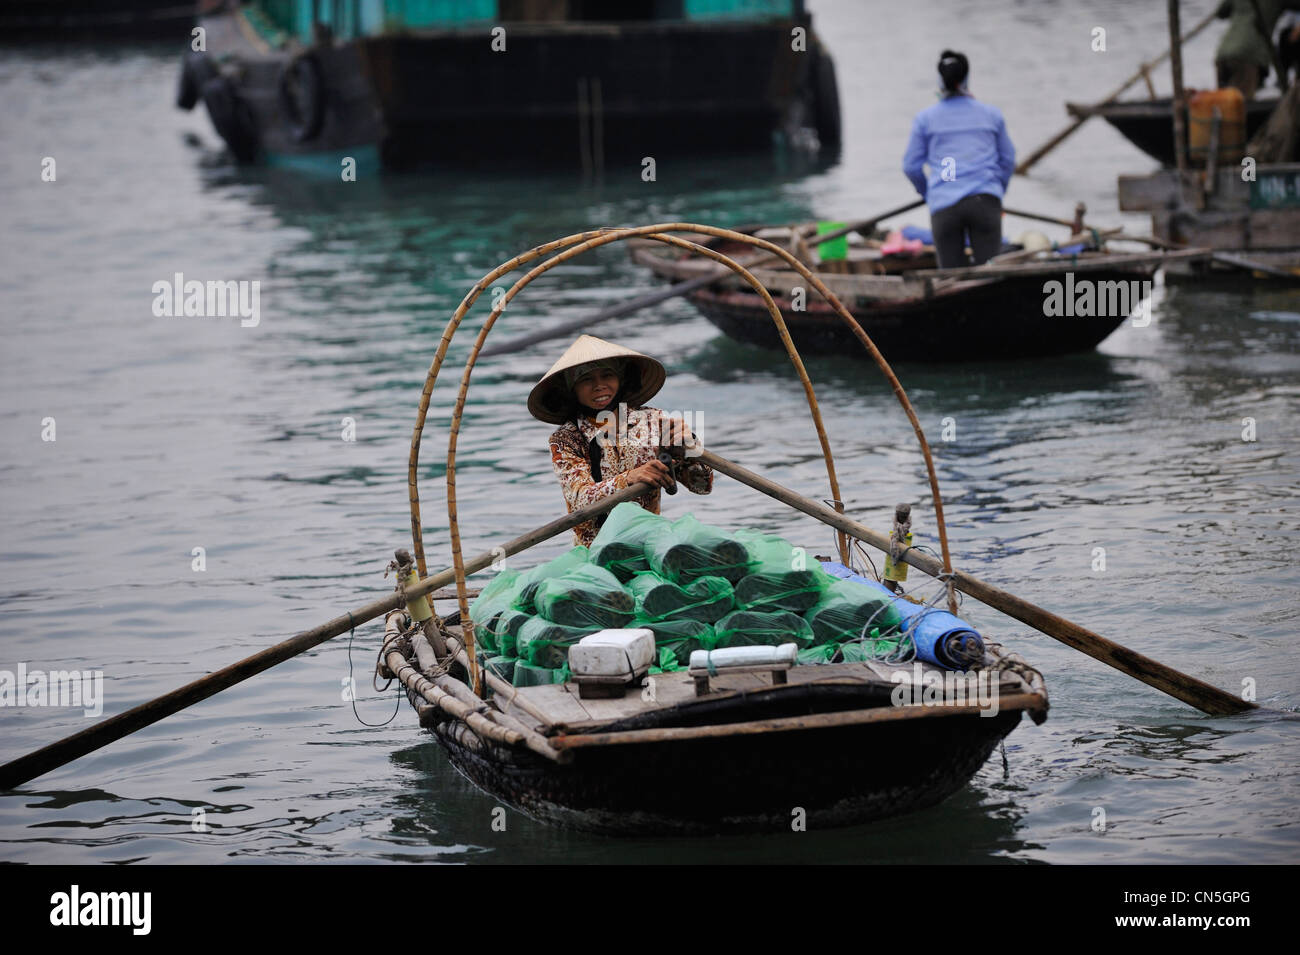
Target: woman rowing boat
<point x="966" y="146"/>
<point x="608" y="439"/>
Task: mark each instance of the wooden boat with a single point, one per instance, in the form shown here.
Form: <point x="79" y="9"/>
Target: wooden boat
<point x="920" y="314"/>
<point x="711" y="749"/>
<point x="1149" y="124"/>
<point x="743" y="757"/>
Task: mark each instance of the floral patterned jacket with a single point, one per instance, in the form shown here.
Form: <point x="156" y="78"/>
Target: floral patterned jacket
<point x="638" y="444"/>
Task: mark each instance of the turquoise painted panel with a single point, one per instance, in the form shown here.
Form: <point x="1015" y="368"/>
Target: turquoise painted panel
<point x="415" y="14"/>
<point x="738" y="9"/>
<point x="282" y="13"/>
<point x="372" y="17"/>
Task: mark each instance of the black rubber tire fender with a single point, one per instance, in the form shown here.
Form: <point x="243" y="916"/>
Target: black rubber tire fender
<point x="826" y="98"/>
<point x="196" y="69"/>
<point x="302" y="97"/>
<point x="232" y="117"/>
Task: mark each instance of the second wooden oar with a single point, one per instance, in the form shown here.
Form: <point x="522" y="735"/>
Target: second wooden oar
<point x="673" y="291"/>
<point x="1194" y="692"/>
<point x="50" y="757"/>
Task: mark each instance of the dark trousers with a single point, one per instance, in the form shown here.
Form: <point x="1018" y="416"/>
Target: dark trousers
<point x="979" y="215"/>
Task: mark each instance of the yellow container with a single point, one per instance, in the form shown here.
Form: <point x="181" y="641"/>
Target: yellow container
<point x="1232" y="125"/>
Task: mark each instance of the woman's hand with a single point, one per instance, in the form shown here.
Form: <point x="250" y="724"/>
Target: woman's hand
<point x="652" y="472"/>
<point x="680" y="436"/>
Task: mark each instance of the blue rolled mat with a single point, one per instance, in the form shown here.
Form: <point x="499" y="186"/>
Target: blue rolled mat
<point x="941" y="638"/>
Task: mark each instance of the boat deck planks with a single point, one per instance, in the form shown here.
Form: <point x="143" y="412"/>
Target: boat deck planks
<point x="563" y="706"/>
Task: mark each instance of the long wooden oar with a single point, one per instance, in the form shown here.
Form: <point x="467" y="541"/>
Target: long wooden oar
<point x="673" y="291"/>
<point x="1143" y="70"/>
<point x="1203" y="696"/>
<point x="26" y="768"/>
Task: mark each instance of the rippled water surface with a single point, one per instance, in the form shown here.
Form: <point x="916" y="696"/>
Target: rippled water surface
<point x="174" y="434"/>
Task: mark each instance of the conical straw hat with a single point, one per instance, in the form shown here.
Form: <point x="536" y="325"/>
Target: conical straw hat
<point x="642" y="378"/>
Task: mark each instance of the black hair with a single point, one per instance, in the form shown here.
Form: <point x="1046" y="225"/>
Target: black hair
<point x="953" y="69"/>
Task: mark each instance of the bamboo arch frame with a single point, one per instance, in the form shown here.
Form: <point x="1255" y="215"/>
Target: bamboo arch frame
<point x="577" y="244"/>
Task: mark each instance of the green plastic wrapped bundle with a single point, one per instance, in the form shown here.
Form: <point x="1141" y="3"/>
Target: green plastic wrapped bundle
<point x="620" y="545"/>
<point x="846" y="607"/>
<point x="499" y="634"/>
<point x="782" y="578"/>
<point x="546" y="644"/>
<point x="875" y="647"/>
<point x="532" y="578"/>
<point x="667" y="662"/>
<point x="503" y="667"/>
<point x="498" y="596"/>
<point x="688" y="549"/>
<point x="705" y="599"/>
<point x="822" y="653"/>
<point x="744" y="628"/>
<point x="528" y="674"/>
<point x="587" y="596"/>
<point x="680" y="637"/>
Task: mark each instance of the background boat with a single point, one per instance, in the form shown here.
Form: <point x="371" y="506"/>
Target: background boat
<point x="575" y="80"/>
<point x="921" y="313"/>
<point x="1149" y="124"/>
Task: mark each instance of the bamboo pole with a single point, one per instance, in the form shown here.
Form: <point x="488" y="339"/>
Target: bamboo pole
<point x="412" y="678"/>
<point x="499" y="686"/>
<point x="37" y="763"/>
<point x="1056" y="140"/>
<point x="1180" y="99"/>
<point x="1203" y="696"/>
<point x="427" y="659"/>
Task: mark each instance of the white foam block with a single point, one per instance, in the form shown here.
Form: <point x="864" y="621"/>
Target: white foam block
<point x="786" y="653"/>
<point x="613" y="653"/>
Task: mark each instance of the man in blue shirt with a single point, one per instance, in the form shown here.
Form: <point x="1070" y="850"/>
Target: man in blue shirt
<point x="971" y="159"/>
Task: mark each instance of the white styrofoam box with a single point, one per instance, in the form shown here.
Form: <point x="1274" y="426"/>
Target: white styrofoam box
<point x="745" y="657"/>
<point x="613" y="653"/>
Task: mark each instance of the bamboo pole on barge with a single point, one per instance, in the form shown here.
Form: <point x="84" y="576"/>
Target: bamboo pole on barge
<point x="1194" y="692"/>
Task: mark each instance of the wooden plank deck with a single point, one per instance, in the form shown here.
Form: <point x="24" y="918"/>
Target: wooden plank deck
<point x="561" y="703"/>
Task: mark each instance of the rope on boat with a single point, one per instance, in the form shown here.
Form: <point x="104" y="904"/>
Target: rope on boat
<point x="351" y="683"/>
<point x="577" y="244"/>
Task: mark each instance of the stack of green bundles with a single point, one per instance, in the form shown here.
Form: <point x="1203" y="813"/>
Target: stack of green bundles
<point x="694" y="585"/>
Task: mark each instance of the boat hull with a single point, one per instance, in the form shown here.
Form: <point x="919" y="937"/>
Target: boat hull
<point x="838" y="776"/>
<point x="998" y="319"/>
